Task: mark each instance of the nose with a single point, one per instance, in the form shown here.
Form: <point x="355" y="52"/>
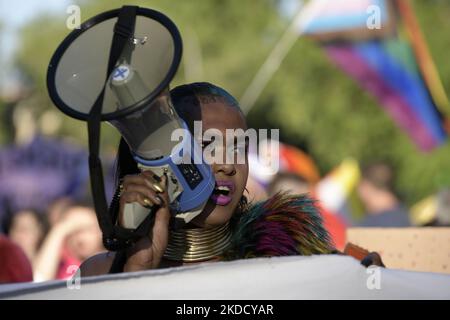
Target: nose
<point x="226" y="169"/>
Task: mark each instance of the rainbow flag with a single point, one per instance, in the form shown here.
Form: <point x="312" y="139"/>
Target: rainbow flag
<point x="345" y="19"/>
<point x="390" y="60"/>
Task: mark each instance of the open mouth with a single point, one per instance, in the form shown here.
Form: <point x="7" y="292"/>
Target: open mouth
<point x="223" y="190"/>
<point x="222" y="194"/>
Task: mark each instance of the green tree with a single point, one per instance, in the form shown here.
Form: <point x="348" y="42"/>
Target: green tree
<point x="228" y="41"/>
<point x="322" y="108"/>
<point x="315" y="105"/>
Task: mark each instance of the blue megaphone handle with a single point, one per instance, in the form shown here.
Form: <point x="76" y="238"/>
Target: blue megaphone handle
<point x="197" y="179"/>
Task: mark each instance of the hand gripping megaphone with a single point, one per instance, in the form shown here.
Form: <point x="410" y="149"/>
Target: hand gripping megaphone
<point x="117" y="68"/>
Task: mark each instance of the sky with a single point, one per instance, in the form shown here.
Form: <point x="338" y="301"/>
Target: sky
<point x="13" y="15"/>
<point x="16" y="13"/>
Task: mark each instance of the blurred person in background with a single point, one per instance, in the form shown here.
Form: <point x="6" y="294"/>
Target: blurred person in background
<point x="74" y="237"/>
<point x="27" y="228"/>
<point x="56" y="209"/>
<point x="291" y="160"/>
<point x="433" y="211"/>
<point x="14" y="264"/>
<point x="442" y="217"/>
<point x="376" y="191"/>
<point x="289" y="182"/>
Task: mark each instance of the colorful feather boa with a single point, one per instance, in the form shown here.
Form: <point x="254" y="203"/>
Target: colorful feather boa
<point x="280" y="226"/>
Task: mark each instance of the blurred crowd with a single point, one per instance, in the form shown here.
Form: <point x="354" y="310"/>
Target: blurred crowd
<point x="50" y="245"/>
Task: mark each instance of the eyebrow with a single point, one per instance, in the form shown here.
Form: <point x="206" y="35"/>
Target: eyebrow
<point x="246" y="140"/>
<point x="205" y="143"/>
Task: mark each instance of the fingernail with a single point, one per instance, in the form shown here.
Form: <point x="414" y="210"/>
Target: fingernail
<point x="154" y="185"/>
<point x="147" y="202"/>
<point x="158" y="187"/>
<point x="158" y="200"/>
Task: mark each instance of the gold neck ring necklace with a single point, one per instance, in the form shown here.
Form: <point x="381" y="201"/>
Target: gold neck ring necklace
<point x="198" y="244"/>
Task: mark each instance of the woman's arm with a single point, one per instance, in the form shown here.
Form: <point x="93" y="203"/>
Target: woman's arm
<point x="148" y="251"/>
<point x="48" y="257"/>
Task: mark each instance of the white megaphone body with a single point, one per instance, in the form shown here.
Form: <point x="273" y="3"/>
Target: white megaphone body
<point x="117" y="68"/>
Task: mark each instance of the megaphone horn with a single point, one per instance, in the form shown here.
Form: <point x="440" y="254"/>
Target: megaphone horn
<point x="117" y="67"/>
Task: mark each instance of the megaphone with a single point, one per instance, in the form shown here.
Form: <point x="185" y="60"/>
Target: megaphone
<point x="117" y="68"/>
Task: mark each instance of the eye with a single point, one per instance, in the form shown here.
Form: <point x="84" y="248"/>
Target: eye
<point x="239" y="148"/>
<point x="204" y="143"/>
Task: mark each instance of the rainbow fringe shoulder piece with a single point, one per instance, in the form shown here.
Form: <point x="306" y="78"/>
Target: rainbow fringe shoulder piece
<point x="283" y="225"/>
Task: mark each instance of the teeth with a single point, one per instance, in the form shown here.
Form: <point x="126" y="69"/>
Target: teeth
<point x="223" y="188"/>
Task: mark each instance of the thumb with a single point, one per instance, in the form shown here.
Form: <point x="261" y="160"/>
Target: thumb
<point x="160" y="228"/>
